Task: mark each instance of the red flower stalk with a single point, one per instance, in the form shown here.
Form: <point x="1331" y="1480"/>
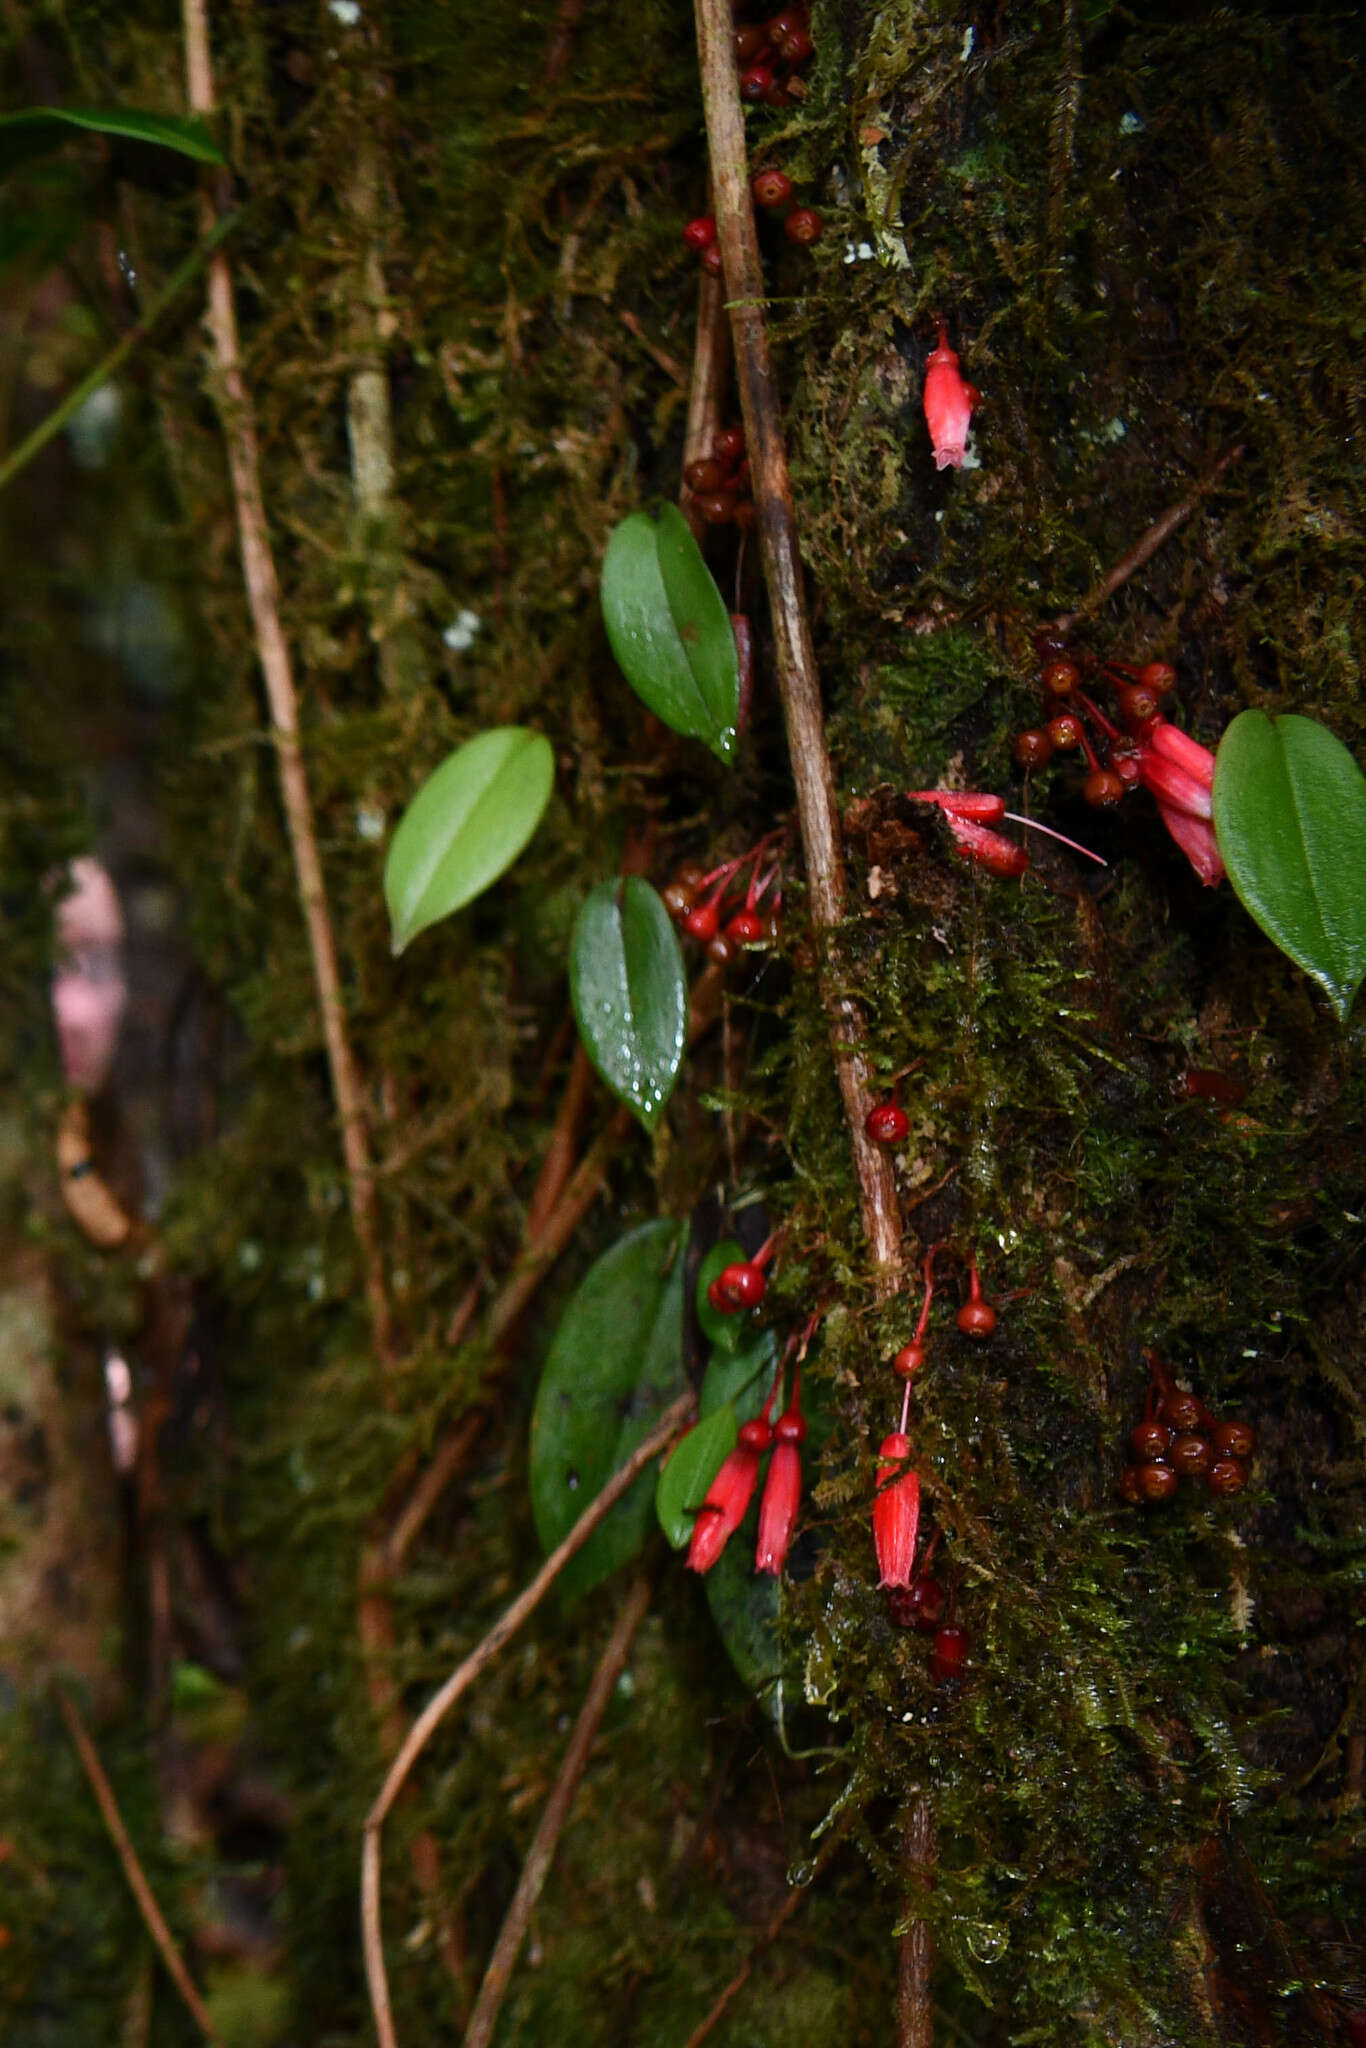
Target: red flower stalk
<point x="896" y="1510"/>
<point x="964" y="811"/>
<point x="782" y="1488"/>
<point x="729" y="1495"/>
<point x="948" y="404"/>
<point x="1180" y="774"/>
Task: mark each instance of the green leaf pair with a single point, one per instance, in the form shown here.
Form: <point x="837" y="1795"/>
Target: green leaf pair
<point x="1290" y="820"/>
<point x="670" y="630"/>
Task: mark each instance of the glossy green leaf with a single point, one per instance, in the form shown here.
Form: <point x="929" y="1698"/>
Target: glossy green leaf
<point x="744" y="1606"/>
<point x="669" y="628"/>
<point x="614" y="1366"/>
<point x="694" y="1464"/>
<point x="630" y="993"/>
<point x="35" y="131"/>
<point x="1290" y="819"/>
<point x="740" y="1379"/>
<point x="727" y="1333"/>
<point x="468" y="822"/>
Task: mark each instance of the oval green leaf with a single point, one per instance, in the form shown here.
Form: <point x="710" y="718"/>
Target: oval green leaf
<point x="694" y="1464"/>
<point x="614" y="1366"/>
<point x="36" y="131"/>
<point x="727" y="1333"/>
<point x="669" y="628"/>
<point x="1290" y="819"/>
<point x="468" y="822"/>
<point x="745" y="1607"/>
<point x="630" y="993"/>
<point x="739" y="1379"/>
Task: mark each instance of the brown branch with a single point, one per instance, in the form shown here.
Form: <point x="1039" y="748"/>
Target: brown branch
<point x="263" y="594"/>
<point x="449" y="1456"/>
<point x="460" y="1681"/>
<point x="132" y="1869"/>
<point x="915" y="1958"/>
<point x="561" y="1146"/>
<point x="1142" y="552"/>
<point x="795" y="1899"/>
<point x="795" y="657"/>
<point x="558" y="1807"/>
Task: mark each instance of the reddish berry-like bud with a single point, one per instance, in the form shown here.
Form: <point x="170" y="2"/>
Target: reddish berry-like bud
<point x="1060" y="678"/>
<point x="1190" y="1455"/>
<point x="725" y="1507"/>
<point x="784" y="23"/>
<point x="702" y="922"/>
<point x="1181" y="1411"/>
<point x="751" y="43"/>
<point x="948" y="407"/>
<point x="927" y="1600"/>
<point x="977" y="1317"/>
<point x="1130" y="1486"/>
<point x="1065" y="732"/>
<point x="771" y="188"/>
<point x="1156" y="1482"/>
<point x="730" y="444"/>
<point x="1032" y="747"/>
<point x="887" y="1123"/>
<point x="1226" y="1476"/>
<point x="746" y="928"/>
<point x="678" y="899"/>
<point x="803" y="226"/>
<point x="896" y="1511"/>
<point x="704" y="476"/>
<point x="948" y="1654"/>
<point x="1124" y="761"/>
<point x="1102" y="789"/>
<point x="718" y="1299"/>
<point x="711" y="260"/>
<point x="699" y="234"/>
<point x="1212" y="1085"/>
<point x="796" y="47"/>
<point x="1150" y="1440"/>
<point x="1159" y="676"/>
<point x="908" y="1360"/>
<point x="1234" y="1439"/>
<point x="756" y="1435"/>
<point x="720" y="950"/>
<point x="717" y="507"/>
<point x="741" y="1286"/>
<point x="755" y="82"/>
<point x="1138" y="705"/>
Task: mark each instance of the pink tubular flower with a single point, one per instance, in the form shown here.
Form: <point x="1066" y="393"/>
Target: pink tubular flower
<point x="782" y="1488"/>
<point x="1180" y="774"/>
<point x="948" y="404"/>
<point x="896" y="1511"/>
<point x="728" y="1496"/>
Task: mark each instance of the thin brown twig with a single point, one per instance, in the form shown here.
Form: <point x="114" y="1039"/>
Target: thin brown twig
<point x="706" y="387"/>
<point x="915" y="1958"/>
<point x="459" y="1682"/>
<point x="557" y="1164"/>
<point x="795" y="1899"/>
<point x="263" y="594"/>
<point x="1143" y="550"/>
<point x="449" y="1456"/>
<point x="132" y="1869"/>
<point x="545" y="1841"/>
<point x="795" y="656"/>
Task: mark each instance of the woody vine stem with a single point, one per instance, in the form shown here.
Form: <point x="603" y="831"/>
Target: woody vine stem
<point x="803" y="717"/>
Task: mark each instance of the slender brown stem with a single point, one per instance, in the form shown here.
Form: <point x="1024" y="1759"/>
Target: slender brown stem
<point x="795" y="1899"/>
<point x="132" y="1869"/>
<point x="795" y="657"/>
<point x="1143" y="550"/>
<point x="915" y="1958"/>
<point x="263" y="594"/>
<point x="460" y="1681"/>
<point x="558" y="1807"/>
<point x="447" y="1459"/>
<point x="560" y="1148"/>
<point x="706" y="386"/>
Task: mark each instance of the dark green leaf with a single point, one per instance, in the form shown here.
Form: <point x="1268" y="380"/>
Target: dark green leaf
<point x="468" y="822"/>
<point x="728" y="1333"/>
<point x="744" y="1606"/>
<point x="615" y="1365"/>
<point x="630" y="994"/>
<point x="740" y="1378"/>
<point x="694" y="1464"/>
<point x="670" y="630"/>
<point x="35" y="131"/>
<point x="1290" y="819"/>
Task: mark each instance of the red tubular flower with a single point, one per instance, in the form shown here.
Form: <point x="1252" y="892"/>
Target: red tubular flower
<point x="1180" y="774"/>
<point x="782" y="1488"/>
<point x="728" y="1496"/>
<point x="896" y="1511"/>
<point x="948" y="405"/>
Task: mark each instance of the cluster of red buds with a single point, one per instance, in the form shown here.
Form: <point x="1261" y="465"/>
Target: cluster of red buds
<point x="754" y="924"/>
<point x="731" y="1491"/>
<point x="1144" y="748"/>
<point x="1178" y="1439"/>
<point x="720" y="481"/>
<point x="771" y="56"/>
<point x="915" y="1598"/>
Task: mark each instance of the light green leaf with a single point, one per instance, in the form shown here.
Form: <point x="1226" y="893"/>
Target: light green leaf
<point x="669" y="628"/>
<point x="630" y="993"/>
<point x="615" y="1365"/>
<point x="35" y="131"/>
<point x="1290" y="819"/>
<point x="468" y="822"/>
<point x="695" y="1462"/>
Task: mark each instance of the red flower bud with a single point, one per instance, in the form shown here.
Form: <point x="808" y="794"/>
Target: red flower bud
<point x="782" y="1489"/>
<point x="896" y="1511"/>
<point x="948" y="405"/>
<point x="725" y="1506"/>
